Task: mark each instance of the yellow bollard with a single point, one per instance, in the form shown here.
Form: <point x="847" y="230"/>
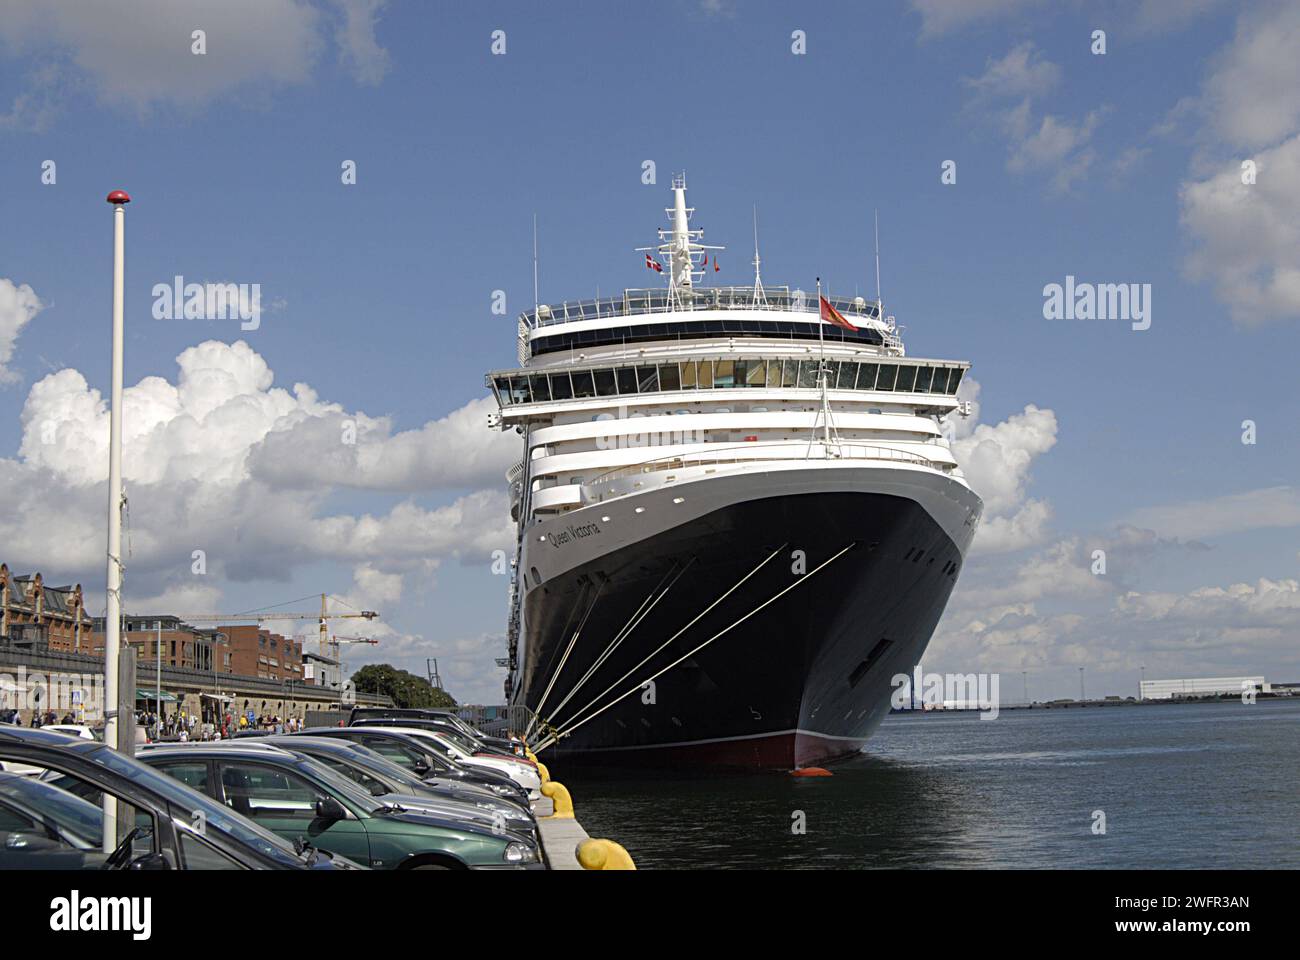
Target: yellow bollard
<point x="543" y="772"/>
<point x="604" y="855"/>
<point x="559" y="795"/>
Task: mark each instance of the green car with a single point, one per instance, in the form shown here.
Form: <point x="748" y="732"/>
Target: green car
<point x="296" y="797"/>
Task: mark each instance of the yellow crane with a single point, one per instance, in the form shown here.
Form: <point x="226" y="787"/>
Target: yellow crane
<point x="324" y="616"/>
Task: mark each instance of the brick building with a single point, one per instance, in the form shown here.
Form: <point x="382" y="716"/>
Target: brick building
<point x="41" y="617"/>
<point x="182" y="645"/>
<point x="257" y="652"/>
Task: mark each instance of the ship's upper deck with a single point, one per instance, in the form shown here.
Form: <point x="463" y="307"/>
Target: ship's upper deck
<point x="695" y="313"/>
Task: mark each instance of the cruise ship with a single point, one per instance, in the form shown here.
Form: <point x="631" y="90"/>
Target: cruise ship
<point x="738" y="517"/>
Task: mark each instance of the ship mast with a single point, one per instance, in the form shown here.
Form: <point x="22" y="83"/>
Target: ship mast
<point x="678" y="245"/>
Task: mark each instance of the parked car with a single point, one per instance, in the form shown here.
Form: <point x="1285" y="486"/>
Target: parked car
<point x="522" y="772"/>
<point x="78" y="730"/>
<point x="386" y="780"/>
<point x="434" y="719"/>
<point x="423" y="759"/>
<point x="171" y="826"/>
<point x="295" y="796"/>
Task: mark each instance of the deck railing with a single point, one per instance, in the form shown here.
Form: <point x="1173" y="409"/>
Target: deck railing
<point x="659" y="300"/>
<point x="749" y="453"/>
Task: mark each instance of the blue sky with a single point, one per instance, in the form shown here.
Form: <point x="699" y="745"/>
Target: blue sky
<point x="1114" y="168"/>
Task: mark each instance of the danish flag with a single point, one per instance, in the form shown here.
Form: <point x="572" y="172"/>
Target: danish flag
<point x="652" y="264"/>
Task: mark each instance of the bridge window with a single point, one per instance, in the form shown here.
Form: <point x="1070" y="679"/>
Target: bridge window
<point x="605" y="383"/>
<point x="724" y="373"/>
<point x="848" y="370"/>
<point x="582" y="384"/>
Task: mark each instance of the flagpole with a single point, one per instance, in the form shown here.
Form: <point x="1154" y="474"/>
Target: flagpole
<point x="821" y="344"/>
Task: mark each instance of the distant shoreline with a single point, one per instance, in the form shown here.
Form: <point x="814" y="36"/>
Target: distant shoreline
<point x="1079" y="704"/>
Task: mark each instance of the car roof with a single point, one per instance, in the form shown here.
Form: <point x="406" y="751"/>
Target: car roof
<point x="225" y="747"/>
<point x="45" y="738"/>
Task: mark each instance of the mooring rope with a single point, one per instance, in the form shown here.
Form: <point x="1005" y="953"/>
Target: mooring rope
<point x="553" y="738"/>
<point x="567" y="650"/>
<point x="643" y="611"/>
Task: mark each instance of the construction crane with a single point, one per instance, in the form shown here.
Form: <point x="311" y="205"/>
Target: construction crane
<point x="322" y="617"/>
<point x="335" y="640"/>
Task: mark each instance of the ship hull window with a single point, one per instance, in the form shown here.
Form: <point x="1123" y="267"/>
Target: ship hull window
<point x="866" y="376"/>
<point x="561" y="388"/>
<point x="885" y="381"/>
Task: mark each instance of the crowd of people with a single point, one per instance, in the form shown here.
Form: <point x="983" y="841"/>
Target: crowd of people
<point x="39" y="719"/>
<point x="182" y="726"/>
<point x="177" y="725"/>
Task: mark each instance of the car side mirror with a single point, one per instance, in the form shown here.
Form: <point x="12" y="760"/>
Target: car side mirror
<point x="150" y="861"/>
<point x="32" y="843"/>
<point x="421" y="767"/>
<point x="328" y="808"/>
<point x="377" y="789"/>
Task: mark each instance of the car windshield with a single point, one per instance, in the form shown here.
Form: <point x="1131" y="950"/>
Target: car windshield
<point x="214" y="814"/>
<point x="74" y="820"/>
<point x="343" y="788"/>
<point x="381" y="766"/>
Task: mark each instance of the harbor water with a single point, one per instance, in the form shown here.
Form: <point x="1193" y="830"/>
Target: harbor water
<point x="1174" y="786"/>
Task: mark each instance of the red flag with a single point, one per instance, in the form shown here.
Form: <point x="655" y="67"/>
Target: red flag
<point x="832" y="315"/>
<point x="653" y="264"/>
<point x="705" y="262"/>
<point x="716" y="268"/>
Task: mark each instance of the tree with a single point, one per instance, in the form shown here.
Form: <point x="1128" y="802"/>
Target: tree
<point x="405" y="689"/>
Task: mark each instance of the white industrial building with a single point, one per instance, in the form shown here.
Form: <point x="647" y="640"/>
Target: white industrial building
<point x="1200" y="687"/>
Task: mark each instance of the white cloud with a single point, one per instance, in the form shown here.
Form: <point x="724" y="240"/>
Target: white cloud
<point x="188" y="447"/>
<point x="358" y="46"/>
<point x="1245" y="236"/>
<point x="138" y="53"/>
<point x="996" y="459"/>
<point x="1023" y="72"/>
<point x="18" y="304"/>
<point x="1248" y="236"/>
<point x="944" y="16"/>
<point x="1036" y="142"/>
<point x="1262" y="509"/>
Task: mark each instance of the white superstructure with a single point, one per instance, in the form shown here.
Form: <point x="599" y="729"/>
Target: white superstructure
<point x="642" y="411"/>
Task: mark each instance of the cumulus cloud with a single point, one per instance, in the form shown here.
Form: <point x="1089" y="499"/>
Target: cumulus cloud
<point x="1244" y="235"/>
<point x="18" y="304"/>
<point x="187" y="462"/>
<point x="455" y="451"/>
<point x="1037" y="142"/>
<point x="996" y="459"/>
<point x="1247" y="236"/>
<point x="138" y="53"/>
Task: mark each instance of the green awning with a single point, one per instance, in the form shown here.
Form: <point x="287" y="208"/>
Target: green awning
<point x="151" y="694"/>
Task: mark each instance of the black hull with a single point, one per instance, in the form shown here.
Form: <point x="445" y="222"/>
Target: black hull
<point x="802" y="681"/>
